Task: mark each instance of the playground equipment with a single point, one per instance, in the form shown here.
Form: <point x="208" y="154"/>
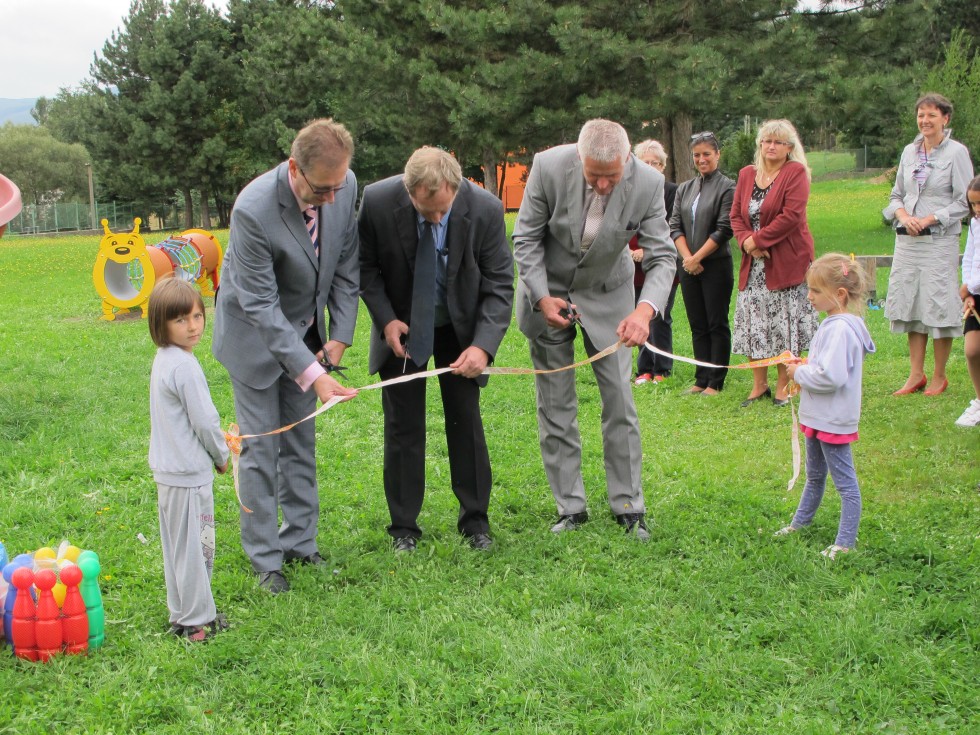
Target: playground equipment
<point x="126" y="268"/>
<point x="196" y="256"/>
<point x="10" y="203"/>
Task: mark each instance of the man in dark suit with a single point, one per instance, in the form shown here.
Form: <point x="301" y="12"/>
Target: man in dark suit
<point x="582" y="205"/>
<point x="292" y="253"/>
<point x="438" y="280"/>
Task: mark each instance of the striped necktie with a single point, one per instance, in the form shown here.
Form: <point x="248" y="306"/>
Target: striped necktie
<point x="309" y="215"/>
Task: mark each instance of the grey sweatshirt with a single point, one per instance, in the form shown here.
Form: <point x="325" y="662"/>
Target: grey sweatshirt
<point x="186" y="440"/>
<point x="830" y="399"/>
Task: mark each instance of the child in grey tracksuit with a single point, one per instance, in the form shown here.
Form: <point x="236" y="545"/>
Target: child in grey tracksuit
<point x="830" y="395"/>
<point x="186" y="446"/>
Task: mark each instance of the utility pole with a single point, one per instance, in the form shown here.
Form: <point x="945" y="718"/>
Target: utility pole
<point x="91" y="196"/>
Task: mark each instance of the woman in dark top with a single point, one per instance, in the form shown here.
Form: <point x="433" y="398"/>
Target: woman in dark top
<point x="650" y="366"/>
<point x="700" y="226"/>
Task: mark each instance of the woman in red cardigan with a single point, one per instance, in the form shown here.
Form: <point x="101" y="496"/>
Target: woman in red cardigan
<point x="772" y="313"/>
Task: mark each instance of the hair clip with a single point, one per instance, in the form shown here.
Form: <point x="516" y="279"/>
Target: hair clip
<point x="844" y="268"/>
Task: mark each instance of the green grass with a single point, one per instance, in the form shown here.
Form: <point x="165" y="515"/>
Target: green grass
<point x="712" y="627"/>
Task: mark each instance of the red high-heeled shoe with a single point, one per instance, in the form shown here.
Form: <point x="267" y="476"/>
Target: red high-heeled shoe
<point x="914" y="389"/>
<point x="937" y="392"/>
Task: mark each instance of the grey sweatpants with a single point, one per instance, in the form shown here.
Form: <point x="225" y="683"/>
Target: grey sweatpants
<point x="837" y="458"/>
<point x="187" y="540"/>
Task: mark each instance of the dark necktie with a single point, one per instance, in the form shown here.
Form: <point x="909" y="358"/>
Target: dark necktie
<point x="423" y="299"/>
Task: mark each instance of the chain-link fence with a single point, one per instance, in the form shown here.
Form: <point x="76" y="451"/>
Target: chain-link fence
<point x="75" y="217"/>
<point x="837" y="161"/>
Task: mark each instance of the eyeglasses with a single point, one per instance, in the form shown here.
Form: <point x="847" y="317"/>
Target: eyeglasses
<point x="320" y="191"/>
<point x="770" y="141"/>
<point x="705" y="135"/>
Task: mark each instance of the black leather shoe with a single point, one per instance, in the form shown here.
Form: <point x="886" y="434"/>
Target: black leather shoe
<point x="749" y="401"/>
<point x="404" y="544"/>
<point x="634" y="525"/>
<point x="780" y="401"/>
<point x="313" y="560"/>
<point x="273" y="582"/>
<point x="481" y="541"/>
<point x="570" y="522"/>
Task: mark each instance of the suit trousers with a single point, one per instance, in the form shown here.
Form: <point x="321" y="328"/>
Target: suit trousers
<point x="404" y="436"/>
<point x="662" y="337"/>
<point x="707" y="299"/>
<point x="277" y="472"/>
<point x="558" y="431"/>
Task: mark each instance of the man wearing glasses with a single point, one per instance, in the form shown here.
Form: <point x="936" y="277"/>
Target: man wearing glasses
<point x="292" y="258"/>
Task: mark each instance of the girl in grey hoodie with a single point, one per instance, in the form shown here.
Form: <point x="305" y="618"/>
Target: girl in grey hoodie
<point x="830" y="397"/>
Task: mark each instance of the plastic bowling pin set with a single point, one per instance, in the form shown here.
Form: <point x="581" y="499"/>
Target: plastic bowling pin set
<point x="52" y="603"/>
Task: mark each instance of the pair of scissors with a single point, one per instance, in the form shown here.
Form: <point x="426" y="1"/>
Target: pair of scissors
<point x="331" y="368"/>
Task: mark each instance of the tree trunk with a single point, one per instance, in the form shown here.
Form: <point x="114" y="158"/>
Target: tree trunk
<point x="205" y="211"/>
<point x="490" y="173"/>
<point x="188" y="209"/>
<point x="680" y="167"/>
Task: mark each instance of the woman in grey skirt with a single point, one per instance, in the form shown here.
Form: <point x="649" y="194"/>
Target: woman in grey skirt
<point x="926" y="208"/>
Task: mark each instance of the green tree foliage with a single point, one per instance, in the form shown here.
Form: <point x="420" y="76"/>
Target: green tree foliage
<point x="958" y="78"/>
<point x="45" y="169"/>
<point x="182" y="99"/>
<point x="168" y="115"/>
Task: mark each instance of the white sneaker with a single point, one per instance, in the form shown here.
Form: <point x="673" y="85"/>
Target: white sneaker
<point x="971" y="416"/>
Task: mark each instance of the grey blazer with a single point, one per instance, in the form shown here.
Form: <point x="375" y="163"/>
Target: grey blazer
<point x="479" y="275"/>
<point x="548" y="237"/>
<point x="272" y="283"/>
<point x="714" y="213"/>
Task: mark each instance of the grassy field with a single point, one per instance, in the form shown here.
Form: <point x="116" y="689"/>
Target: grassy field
<point x="712" y="627"/>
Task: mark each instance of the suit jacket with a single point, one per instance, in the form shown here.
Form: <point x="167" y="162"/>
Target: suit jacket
<point x="479" y="273"/>
<point x="272" y="282"/>
<point x="714" y="213"/>
<point x="548" y="240"/>
<point x="783" y="230"/>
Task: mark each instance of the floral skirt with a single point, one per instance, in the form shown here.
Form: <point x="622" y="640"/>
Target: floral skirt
<point x="770" y="322"/>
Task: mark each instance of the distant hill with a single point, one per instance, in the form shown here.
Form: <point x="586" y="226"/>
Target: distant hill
<point x="17" y="111"/>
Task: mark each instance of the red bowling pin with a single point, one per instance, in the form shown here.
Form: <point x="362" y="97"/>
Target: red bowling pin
<point x="47" y="631"/>
<point x="25" y="612"/>
<point x="74" y="618"/>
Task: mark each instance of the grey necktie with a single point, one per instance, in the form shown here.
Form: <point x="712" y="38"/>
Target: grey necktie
<point x="420" y="333"/>
<point x="593" y="221"/>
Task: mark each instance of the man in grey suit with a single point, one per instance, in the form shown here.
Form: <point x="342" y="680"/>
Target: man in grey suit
<point x="582" y="205"/>
<point x="437" y="277"/>
<point x="292" y="253"/>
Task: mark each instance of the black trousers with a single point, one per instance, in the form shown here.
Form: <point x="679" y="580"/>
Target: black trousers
<point x="404" y="437"/>
<point x="662" y="337"/>
<point x="707" y="299"/>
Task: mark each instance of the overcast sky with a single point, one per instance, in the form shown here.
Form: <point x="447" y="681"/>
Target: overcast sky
<point x="48" y="44"/>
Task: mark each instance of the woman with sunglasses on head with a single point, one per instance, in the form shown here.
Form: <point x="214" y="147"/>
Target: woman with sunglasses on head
<point x="926" y="208"/>
<point x="772" y="313"/>
<point x="701" y="228"/>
